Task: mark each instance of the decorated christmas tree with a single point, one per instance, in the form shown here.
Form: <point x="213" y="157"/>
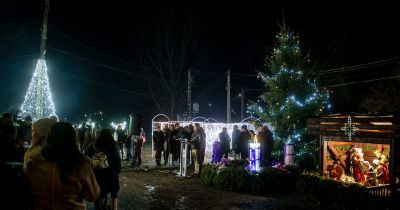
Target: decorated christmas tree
<point x="292" y="93"/>
<point x="38" y="102"/>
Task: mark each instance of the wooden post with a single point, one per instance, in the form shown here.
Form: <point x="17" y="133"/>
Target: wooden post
<point x="321" y="155"/>
<point x="392" y="158"/>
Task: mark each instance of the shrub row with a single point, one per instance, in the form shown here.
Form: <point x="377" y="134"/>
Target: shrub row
<point x="332" y="194"/>
<point x="238" y="179"/>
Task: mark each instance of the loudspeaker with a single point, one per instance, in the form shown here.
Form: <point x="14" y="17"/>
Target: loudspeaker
<point x="135" y="124"/>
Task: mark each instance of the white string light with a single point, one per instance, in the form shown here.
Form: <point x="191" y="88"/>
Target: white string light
<point x="38" y="102"/>
<point x="115" y="125"/>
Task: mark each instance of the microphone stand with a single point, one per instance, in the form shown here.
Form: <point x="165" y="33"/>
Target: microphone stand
<point x="183" y="158"/>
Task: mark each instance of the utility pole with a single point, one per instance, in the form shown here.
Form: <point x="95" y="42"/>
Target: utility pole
<point x="228" y="97"/>
<point x="44" y="29"/>
<point x="242" y="104"/>
<point x="189" y="96"/>
<point x="40" y="91"/>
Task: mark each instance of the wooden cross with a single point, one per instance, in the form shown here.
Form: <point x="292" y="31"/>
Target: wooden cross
<point x="340" y="158"/>
<point x="349" y="128"/>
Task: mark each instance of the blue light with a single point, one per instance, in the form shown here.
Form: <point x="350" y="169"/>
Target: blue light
<point x="254" y="154"/>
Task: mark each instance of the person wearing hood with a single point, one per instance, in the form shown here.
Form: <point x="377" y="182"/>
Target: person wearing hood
<point x="40" y="132"/>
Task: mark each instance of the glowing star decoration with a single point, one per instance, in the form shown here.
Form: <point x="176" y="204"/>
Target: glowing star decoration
<point x="38" y="102"/>
<point x="115" y="125"/>
<point x="349" y="128"/>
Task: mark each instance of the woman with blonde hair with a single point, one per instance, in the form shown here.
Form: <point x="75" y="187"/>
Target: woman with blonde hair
<point x="40" y="132"/>
<point x="60" y="177"/>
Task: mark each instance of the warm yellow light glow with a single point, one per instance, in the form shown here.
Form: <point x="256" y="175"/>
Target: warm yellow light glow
<point x="381" y="123"/>
<point x="329" y="123"/>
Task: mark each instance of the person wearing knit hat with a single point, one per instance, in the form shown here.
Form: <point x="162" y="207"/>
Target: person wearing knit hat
<point x="40" y="131"/>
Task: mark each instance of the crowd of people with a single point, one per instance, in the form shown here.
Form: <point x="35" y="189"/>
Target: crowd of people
<point x="55" y="165"/>
<point x="50" y="165"/>
<point x="240" y="140"/>
<point x="167" y="143"/>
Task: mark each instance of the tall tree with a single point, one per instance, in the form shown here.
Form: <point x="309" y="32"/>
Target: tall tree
<point x="384" y="99"/>
<point x="292" y="93"/>
<point x="166" y="50"/>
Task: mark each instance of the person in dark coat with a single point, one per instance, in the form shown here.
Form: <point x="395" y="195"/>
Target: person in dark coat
<point x="128" y="146"/>
<point x="121" y="140"/>
<point x="158" y="141"/>
<point x="167" y="138"/>
<point x="225" y="141"/>
<point x="12" y="183"/>
<point x="174" y="143"/>
<point x="195" y="141"/>
<point x="108" y="178"/>
<point x="236" y="139"/>
<point x="25" y="131"/>
<point x="6" y="116"/>
<point x="203" y="144"/>
<point x="11" y="148"/>
<point x="244" y="142"/>
<point x="187" y="134"/>
<point x="81" y="135"/>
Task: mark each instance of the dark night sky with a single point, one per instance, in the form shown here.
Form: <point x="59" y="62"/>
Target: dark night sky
<point x="237" y="36"/>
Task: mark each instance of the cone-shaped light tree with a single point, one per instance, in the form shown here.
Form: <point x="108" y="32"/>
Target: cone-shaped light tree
<point x="38" y="102"/>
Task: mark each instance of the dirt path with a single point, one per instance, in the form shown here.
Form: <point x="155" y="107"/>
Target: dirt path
<point x="162" y="190"/>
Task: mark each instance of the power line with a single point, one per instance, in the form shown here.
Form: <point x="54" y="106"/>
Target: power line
<point x="96" y="50"/>
<point x="244" y="75"/>
<point x="112" y="88"/>
<point x="108" y="86"/>
<point x="253" y="89"/>
<point x="360" y="66"/>
<point x="347" y="77"/>
<point x="18" y="56"/>
<point x="364" y="81"/>
<point x="100" y="64"/>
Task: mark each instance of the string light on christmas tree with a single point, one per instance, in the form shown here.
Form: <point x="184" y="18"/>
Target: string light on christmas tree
<point x="292" y="92"/>
<point x="38" y="102"/>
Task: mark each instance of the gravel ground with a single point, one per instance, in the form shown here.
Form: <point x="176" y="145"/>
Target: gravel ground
<point x="160" y="188"/>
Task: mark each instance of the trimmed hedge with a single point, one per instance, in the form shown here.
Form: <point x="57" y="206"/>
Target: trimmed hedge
<point x="332" y="194"/>
<point x="237" y="179"/>
<point x="311" y="188"/>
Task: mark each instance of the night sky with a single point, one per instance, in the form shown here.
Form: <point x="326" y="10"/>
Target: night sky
<point x="91" y="44"/>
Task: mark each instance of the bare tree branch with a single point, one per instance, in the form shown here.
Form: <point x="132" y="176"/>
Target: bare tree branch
<point x="167" y="51"/>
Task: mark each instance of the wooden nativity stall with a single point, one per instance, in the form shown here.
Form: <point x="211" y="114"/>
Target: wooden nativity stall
<point x="360" y="149"/>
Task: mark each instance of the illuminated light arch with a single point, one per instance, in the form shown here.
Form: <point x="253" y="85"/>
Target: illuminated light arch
<point x="204" y="119"/>
<point x="159" y="115"/>
<point x="209" y="120"/>
<point x="153" y="129"/>
<point x="250" y="118"/>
